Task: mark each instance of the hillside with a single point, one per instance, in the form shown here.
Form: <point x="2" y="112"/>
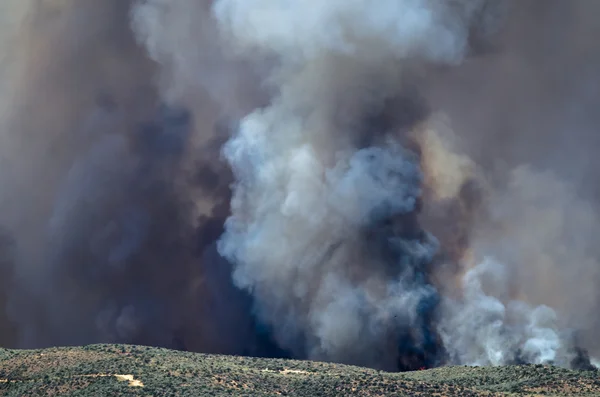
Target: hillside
<point x="122" y="370"/>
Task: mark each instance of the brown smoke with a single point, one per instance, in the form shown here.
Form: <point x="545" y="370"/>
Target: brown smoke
<point x="525" y="113"/>
<point x="83" y="176"/>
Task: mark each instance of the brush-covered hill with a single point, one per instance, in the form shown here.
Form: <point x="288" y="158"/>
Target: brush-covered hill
<point x="123" y="370"/>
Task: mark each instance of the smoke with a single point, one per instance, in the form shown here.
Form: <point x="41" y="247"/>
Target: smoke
<point x="526" y="119"/>
<point x="99" y="194"/>
<point x="316" y="226"/>
<point x="482" y="330"/>
<point x="399" y="184"/>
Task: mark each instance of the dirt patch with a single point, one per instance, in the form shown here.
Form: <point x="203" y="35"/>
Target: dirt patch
<point x="294" y="372"/>
<point x="123" y="378"/>
<point x="129" y="378"/>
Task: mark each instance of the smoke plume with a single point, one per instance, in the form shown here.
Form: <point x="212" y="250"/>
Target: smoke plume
<point x="397" y="184"/>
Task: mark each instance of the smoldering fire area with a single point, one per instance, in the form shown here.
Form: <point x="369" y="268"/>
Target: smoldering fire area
<point x="399" y="184"/>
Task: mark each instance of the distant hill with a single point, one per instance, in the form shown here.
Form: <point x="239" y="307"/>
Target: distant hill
<point x="123" y="370"/>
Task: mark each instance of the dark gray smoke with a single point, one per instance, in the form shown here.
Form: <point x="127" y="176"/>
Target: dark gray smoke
<point x="399" y="184"/>
<point x="112" y="199"/>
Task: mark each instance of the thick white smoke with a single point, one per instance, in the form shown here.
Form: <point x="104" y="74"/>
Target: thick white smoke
<point x="511" y="306"/>
<point x="301" y="31"/>
<point x="307" y="197"/>
<point x="305" y="192"/>
<point x="296" y="235"/>
<point x="482" y="330"/>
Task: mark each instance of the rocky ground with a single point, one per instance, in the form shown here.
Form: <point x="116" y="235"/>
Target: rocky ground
<point x="122" y="370"/>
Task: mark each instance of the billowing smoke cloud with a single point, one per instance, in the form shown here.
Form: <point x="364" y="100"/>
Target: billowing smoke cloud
<point x="319" y="207"/>
<point x="382" y="184"/>
<point x="526" y="117"/>
<point x="99" y="193"/>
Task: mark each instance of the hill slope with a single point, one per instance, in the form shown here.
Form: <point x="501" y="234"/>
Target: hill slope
<point x="122" y="370"/>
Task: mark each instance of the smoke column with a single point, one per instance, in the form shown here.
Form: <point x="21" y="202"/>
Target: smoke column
<point x="397" y="184"/>
<point x="320" y="200"/>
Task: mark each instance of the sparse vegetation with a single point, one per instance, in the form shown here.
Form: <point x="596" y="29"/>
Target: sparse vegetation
<point x="122" y="370"/>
